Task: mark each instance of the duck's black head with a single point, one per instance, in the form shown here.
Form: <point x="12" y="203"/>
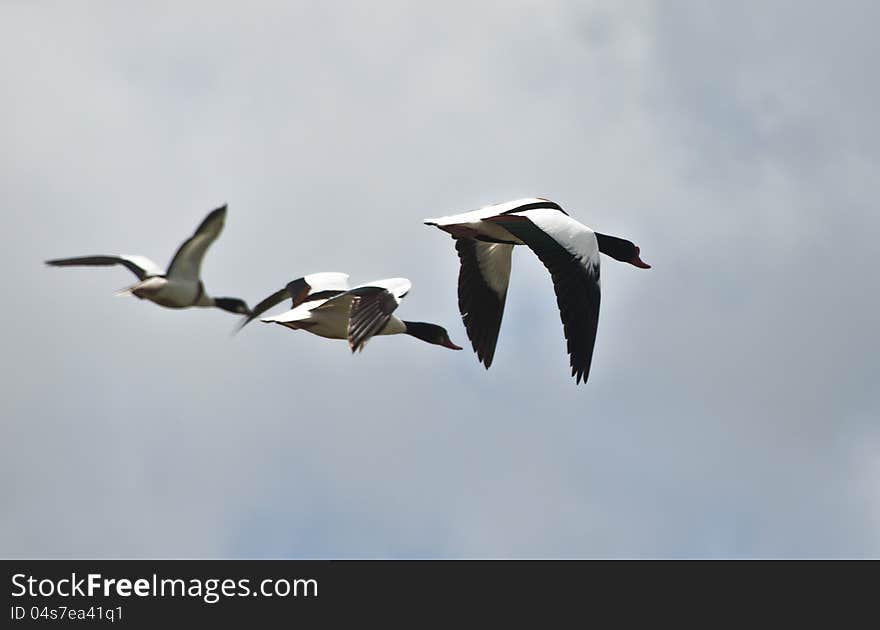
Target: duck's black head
<point x="432" y="333"/>
<point x="233" y="305"/>
<point x="621" y="249"/>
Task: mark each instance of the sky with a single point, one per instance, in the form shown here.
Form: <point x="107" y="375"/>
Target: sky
<point x="732" y="408"/>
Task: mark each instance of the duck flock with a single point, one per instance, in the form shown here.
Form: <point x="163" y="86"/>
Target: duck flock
<point x="324" y="304"/>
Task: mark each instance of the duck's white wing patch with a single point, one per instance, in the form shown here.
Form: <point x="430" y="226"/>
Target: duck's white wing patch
<point x="148" y="266"/>
<point x="571" y="254"/>
<point x="398" y="287"/>
<point x="298" y="314"/>
<point x="187" y="262"/>
<point x="473" y="216"/>
<point x="327" y="281"/>
<point x="141" y="266"/>
<point x="485" y="212"/>
<point x="482" y="290"/>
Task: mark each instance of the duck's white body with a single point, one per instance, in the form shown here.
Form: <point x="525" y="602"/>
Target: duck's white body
<point x="329" y="318"/>
<point x="170" y="293"/>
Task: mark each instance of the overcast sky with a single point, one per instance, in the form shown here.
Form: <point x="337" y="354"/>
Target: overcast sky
<point x="732" y="408"/>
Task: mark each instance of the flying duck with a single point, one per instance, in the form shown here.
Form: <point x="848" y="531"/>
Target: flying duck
<point x="324" y="305"/>
<point x="180" y="286"/>
<point x="484" y="240"/>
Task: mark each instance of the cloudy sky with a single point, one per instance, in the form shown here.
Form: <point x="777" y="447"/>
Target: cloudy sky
<point x="732" y="409"/>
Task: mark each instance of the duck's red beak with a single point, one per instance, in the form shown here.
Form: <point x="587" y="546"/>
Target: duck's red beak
<point x="638" y="262"/>
<point x="448" y="344"/>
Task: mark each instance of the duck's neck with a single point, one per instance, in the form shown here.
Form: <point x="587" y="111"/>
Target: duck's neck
<point x="421" y="330"/>
<point x="618" y="248"/>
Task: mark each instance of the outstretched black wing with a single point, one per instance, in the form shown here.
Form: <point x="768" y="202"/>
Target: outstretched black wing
<point x="575" y="273"/>
<point x="187" y="261"/>
<point x="482" y="291"/>
<point x="141" y="266"/>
